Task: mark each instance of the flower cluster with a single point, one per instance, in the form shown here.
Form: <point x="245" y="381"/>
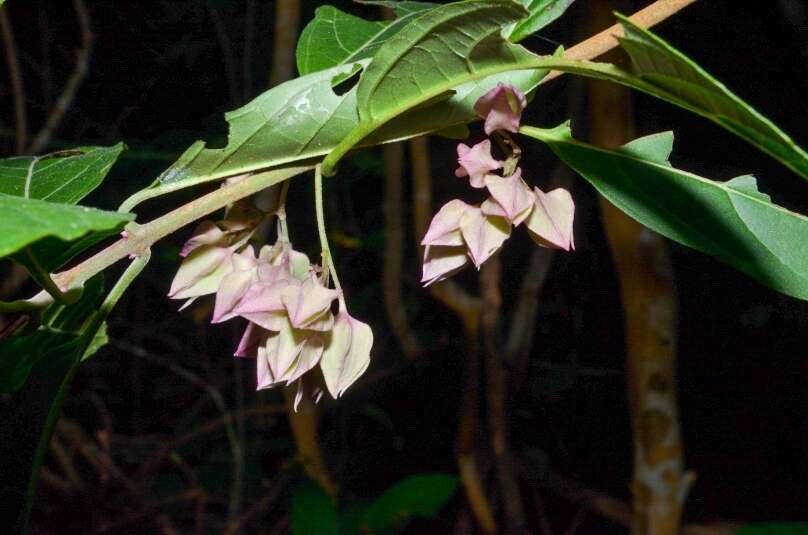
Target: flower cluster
<point x="460" y="232"/>
<point x="285" y="299"/>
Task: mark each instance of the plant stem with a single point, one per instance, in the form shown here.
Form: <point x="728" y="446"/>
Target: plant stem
<point x="141" y="237"/>
<point x="55" y="410"/>
<point x="318" y="208"/>
<point x="600" y="43"/>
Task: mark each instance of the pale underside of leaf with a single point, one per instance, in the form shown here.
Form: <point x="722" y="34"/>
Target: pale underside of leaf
<point x="728" y="220"/>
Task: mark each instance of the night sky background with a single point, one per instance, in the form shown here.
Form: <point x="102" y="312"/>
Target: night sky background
<point x="158" y="82"/>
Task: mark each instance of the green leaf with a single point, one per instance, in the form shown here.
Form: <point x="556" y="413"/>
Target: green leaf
<point x="783" y="528"/>
<point x="52" y="356"/>
<point x="26" y="221"/>
<point x="313" y="511"/>
<point x="61" y="177"/>
<point x="542" y="13"/>
<point x="453" y="44"/>
<point x="62" y="325"/>
<point x="672" y="76"/>
<point x="402" y="7"/>
<point x="421" y="495"/>
<point x="449" y="46"/>
<point x="732" y="220"/>
<point x="334" y="38"/>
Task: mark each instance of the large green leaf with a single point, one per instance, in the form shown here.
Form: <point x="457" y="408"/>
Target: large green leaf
<point x="423" y="63"/>
<point x="671" y="75"/>
<point x="304" y="118"/>
<point x="334" y="37"/>
<point x="542" y="13"/>
<point x="731" y="220"/>
<point x="421" y="495"/>
<point x="62" y="177"/>
<point x="26" y="221"/>
<point x="450" y="45"/>
<point x="40" y="367"/>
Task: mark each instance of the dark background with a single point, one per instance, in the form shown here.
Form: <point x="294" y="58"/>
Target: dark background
<point x="158" y="81"/>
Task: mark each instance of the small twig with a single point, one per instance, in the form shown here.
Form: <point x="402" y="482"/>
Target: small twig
<point x="218" y="400"/>
<point x="304" y="423"/>
<point x="467" y="440"/>
<point x="448" y="292"/>
<point x="15" y="75"/>
<point x="164" y="449"/>
<point x="600" y="43"/>
<point x="66" y="462"/>
<point x="392" y="269"/>
<point x="260" y="505"/>
<point x="287" y="22"/>
<point x="496" y="381"/>
<point x="75" y="80"/>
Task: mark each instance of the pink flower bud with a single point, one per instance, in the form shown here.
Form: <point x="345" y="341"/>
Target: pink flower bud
<point x="475" y="162"/>
<point x="501" y="108"/>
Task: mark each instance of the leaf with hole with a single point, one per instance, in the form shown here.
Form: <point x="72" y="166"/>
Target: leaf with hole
<point x="63" y="177"/>
<point x="732" y="220"/>
<point x="542" y="13"/>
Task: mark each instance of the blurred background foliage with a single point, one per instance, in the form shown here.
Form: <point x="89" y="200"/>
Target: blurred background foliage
<point x="158" y="420"/>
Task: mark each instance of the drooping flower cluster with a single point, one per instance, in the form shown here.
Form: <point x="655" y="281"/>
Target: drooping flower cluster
<point x="286" y="301"/>
<point x="460" y="232"/>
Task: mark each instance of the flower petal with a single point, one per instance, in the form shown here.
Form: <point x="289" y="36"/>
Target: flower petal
<point x="442" y="229"/>
<point x="475" y="162"/>
<point x="201" y="272"/>
<point x="307" y="302"/>
<point x="253" y="337"/>
<point x="483" y="235"/>
<point x="442" y="262"/>
<point x="550" y="223"/>
<point x="347" y="353"/>
<point x="501" y="108"/>
<point x="512" y="194"/>
<point x="206" y="233"/>
<point x="309" y="357"/>
<point x="290" y="343"/>
<point x="235" y="285"/>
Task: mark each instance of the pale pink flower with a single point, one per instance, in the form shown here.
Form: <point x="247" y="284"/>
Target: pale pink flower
<point x="550" y="222"/>
<point x="512" y="194"/>
<point x="442" y="262"/>
<point x="201" y="272"/>
<point x="347" y="353"/>
<point x="457" y="228"/>
<point x="308" y="305"/>
<point x="475" y="162"/>
<point x="483" y="234"/>
<point x="206" y="233"/>
<point x="235" y="285"/>
<point x="501" y="108"/>
<point x="445" y="226"/>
